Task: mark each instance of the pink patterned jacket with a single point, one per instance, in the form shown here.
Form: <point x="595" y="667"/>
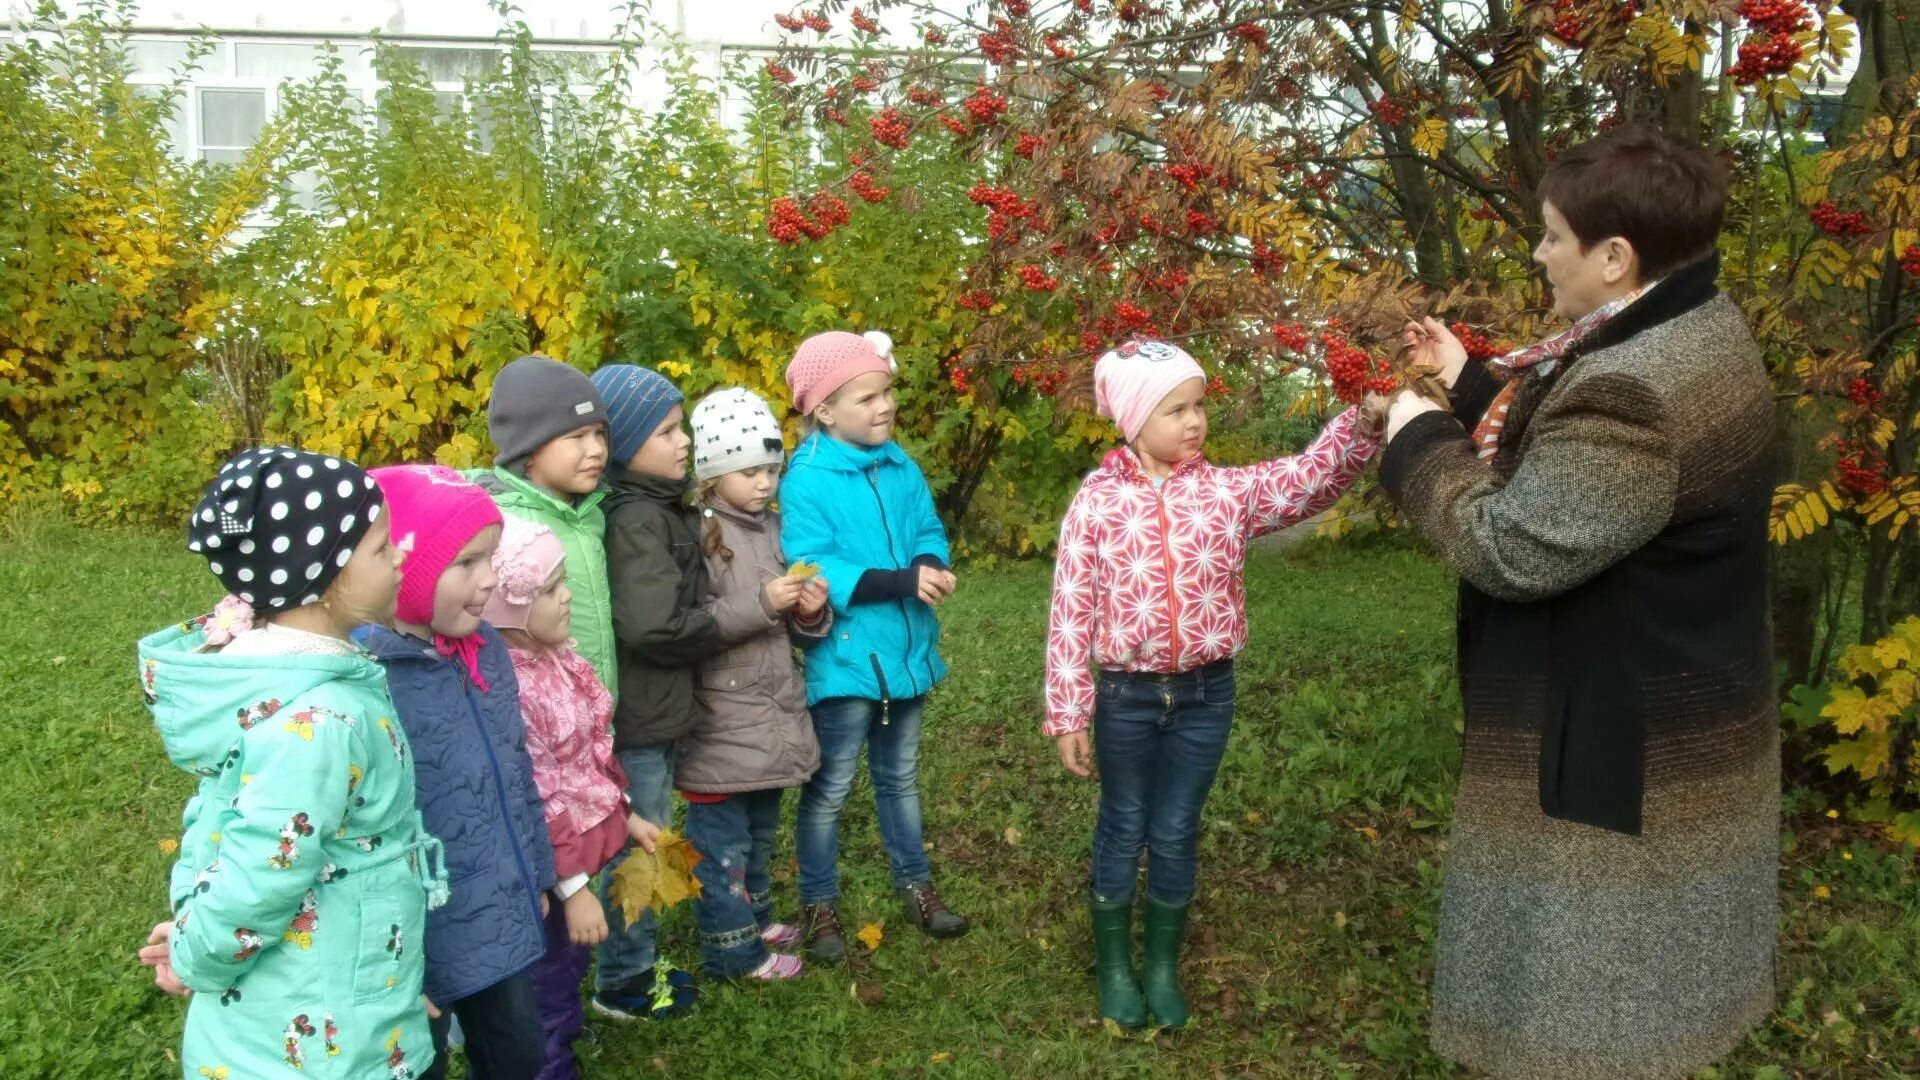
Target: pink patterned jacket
<point x="569" y="718"/>
<point x="1149" y="579"/>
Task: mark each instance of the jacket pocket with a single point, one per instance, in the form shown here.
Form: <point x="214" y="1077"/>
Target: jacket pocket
<point x="733" y="677"/>
<point x="388" y="960"/>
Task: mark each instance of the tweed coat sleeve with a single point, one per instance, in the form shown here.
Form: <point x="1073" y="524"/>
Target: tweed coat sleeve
<point x="1596" y="480"/>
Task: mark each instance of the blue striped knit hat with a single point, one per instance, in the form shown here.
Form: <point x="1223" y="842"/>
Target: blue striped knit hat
<point x="637" y="400"/>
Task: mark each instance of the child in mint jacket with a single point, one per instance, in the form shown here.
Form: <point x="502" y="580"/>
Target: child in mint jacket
<point x="304" y="877"/>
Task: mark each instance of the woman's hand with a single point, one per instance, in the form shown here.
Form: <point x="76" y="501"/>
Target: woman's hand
<point x="1406" y="405"/>
<point x="1076" y="753"/>
<point x="1432" y="345"/>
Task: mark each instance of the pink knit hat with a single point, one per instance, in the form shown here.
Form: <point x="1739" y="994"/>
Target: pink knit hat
<point x="1131" y="381"/>
<point x="435" y="512"/>
<point x="527" y="554"/>
<point x="826" y="362"/>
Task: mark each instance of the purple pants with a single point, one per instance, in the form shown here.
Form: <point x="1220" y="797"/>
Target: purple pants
<point x="557" y="976"/>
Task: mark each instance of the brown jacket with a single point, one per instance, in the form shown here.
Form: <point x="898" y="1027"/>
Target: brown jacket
<point x="757" y="734"/>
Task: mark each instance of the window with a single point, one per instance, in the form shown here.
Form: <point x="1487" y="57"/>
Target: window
<point x="230" y="122"/>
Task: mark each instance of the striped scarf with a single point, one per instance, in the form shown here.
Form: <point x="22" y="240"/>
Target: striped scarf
<point x="1541" y="358"/>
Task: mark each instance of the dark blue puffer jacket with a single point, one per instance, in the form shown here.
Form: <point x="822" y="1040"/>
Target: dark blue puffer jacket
<point x="478" y="796"/>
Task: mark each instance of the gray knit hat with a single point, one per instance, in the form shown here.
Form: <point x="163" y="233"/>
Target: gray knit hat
<point x="535" y="401"/>
<point x="733" y="429"/>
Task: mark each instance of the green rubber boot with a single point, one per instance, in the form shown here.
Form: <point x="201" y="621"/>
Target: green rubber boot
<point x="1120" y="999"/>
<point x="1160" y="969"/>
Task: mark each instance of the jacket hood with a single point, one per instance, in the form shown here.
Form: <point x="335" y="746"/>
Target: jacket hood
<point x="823" y="451"/>
<point x="202" y="702"/>
<point x="624" y="487"/>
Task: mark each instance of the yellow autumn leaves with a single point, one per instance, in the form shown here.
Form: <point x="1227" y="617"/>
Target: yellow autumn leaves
<point x="658" y="879"/>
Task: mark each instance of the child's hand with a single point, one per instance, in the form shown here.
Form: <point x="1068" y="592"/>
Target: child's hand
<point x="433" y="1011"/>
<point x="545" y="906"/>
<point x="586" y="919"/>
<point x="935" y="584"/>
<point x="813" y="597"/>
<point x="158" y="955"/>
<point x="1076" y="753"/>
<point x="782" y="593"/>
<point x="645" y="833"/>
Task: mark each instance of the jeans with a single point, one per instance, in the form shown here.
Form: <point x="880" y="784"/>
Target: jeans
<point x="505" y="1040"/>
<point x="557" y="976"/>
<point x="629" y="951"/>
<point x="1158" y="741"/>
<point x="844" y="724"/>
<point x="735" y="840"/>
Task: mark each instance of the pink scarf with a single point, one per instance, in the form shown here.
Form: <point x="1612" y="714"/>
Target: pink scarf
<point x="467" y="649"/>
<point x="1541" y="358"/>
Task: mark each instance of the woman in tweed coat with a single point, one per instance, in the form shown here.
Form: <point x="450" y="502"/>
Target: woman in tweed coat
<point x="1611" y="886"/>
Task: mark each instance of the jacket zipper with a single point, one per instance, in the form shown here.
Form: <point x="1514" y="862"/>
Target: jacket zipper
<point x="885" y="699"/>
<point x="506" y="812"/>
<point x="873" y="482"/>
<point x="1166" y="561"/>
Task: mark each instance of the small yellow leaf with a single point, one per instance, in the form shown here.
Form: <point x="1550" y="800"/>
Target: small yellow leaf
<point x="871" y="935"/>
<point x="169" y="846"/>
<point x="1821" y="892"/>
<point x="803" y="570"/>
<point x="1011" y="836"/>
<point x="942" y="1057"/>
<point x="655" y="881"/>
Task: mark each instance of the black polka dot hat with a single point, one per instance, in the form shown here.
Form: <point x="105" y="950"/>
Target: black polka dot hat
<point x="278" y="524"/>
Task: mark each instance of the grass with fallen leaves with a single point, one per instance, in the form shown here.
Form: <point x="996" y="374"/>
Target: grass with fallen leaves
<point x="1313" y="930"/>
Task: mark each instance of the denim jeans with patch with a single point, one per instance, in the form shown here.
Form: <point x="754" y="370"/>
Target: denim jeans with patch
<point x="1158" y="740"/>
<point x="891" y="735"/>
<point x="735" y="840"/>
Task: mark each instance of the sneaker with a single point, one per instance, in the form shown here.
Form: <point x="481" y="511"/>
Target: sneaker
<point x="661" y="993"/>
<point x="820" y="926"/>
<point x="778" y="966"/>
<point x="781" y="935"/>
<point x="929" y="912"/>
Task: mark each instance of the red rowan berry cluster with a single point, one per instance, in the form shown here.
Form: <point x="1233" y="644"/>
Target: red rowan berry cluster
<point x="1199" y="224"/>
<point x="1388" y="111"/>
<point x="1059" y="48"/>
<point x="889" y="128"/>
<point x="866" y="24"/>
<point x="790" y="24"/>
<point x="998" y="46"/>
<point x="1861" y="471"/>
<point x="1863" y="393"/>
<point x="1190" y="175"/>
<point x="816" y="22"/>
<point x="865" y="84"/>
<point x="975" y="300"/>
<point x="1037" y="280"/>
<point x="861" y="184"/>
<point x="921" y="95"/>
<point x="1910" y="259"/>
<point x="1353" y="371"/>
<point x="780" y="72"/>
<point x="1477" y="344"/>
<point x="984" y="105"/>
<point x="1833" y="221"/>
<point x="1252" y="34"/>
<point x="1291" y="336"/>
<point x="1027" y="143"/>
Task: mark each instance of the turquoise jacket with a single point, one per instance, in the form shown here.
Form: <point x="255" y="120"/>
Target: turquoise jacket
<point x="851" y="509"/>
<point x="301" y="892"/>
<point x="582" y="528"/>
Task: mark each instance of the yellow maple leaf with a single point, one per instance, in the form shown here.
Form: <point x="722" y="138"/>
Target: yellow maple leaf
<point x="803" y="570"/>
<point x="658" y="880"/>
<point x="871" y="935"/>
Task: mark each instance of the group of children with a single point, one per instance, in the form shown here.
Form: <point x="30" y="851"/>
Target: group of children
<point x="438" y="710"/>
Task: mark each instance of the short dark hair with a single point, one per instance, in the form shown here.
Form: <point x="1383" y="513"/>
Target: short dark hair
<point x="1662" y="194"/>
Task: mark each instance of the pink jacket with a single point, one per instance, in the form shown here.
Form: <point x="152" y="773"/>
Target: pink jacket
<point x="1149" y="579"/>
<point x="569" y="718"/>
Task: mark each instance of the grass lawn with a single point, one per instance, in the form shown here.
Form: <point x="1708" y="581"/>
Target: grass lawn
<point x="1313" y="931"/>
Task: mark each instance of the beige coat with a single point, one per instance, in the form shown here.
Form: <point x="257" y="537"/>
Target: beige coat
<point x="757" y="734"/>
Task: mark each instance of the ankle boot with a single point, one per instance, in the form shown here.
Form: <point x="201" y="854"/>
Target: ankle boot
<point x="1120" y="999"/>
<point x="1160" y="969"/>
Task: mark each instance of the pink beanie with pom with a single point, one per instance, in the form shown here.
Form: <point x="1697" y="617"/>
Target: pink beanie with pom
<point x="826" y="362"/>
<point x="524" y="561"/>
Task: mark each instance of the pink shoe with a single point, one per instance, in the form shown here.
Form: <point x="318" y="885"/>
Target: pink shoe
<point x="780" y="935"/>
<point x="779" y="966"/>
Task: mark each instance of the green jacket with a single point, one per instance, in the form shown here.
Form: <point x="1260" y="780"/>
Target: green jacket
<point x="301" y="891"/>
<point x="582" y="528"/>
